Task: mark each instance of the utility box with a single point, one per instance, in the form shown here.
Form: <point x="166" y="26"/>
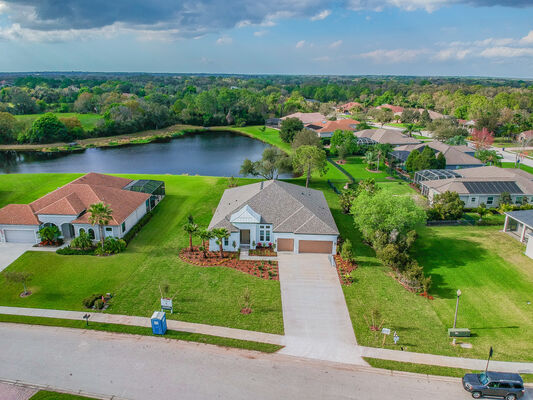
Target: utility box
<point x="459" y="332"/>
<point x="159" y="323"/>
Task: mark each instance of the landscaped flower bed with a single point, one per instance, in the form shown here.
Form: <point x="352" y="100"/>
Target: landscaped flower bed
<point x="344" y="270"/>
<point x="263" y="252"/>
<point x="261" y="269"/>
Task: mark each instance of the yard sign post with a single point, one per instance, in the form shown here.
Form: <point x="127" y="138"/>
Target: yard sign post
<point x="385" y="332"/>
<point x="488" y="359"/>
<point x="166" y="304"/>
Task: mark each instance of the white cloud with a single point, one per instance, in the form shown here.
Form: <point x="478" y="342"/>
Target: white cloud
<point x="321" y="15"/>
<point x="260" y="33"/>
<point x="16" y="32"/>
<point x="335" y="44"/>
<point x="322" y="59"/>
<point x="409" y="5"/>
<point x="507" y="52"/>
<point x="384" y="56"/>
<point x="224" y="40"/>
<point x="528" y="39"/>
<point x="300" y="44"/>
<point x="451" y="54"/>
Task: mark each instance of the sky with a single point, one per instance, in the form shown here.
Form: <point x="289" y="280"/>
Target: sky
<point x="343" y="37"/>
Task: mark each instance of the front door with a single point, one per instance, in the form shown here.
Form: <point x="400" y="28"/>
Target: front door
<point x="245" y="236"/>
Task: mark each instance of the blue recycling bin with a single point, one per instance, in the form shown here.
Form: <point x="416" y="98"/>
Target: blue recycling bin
<point x="159" y="323"/>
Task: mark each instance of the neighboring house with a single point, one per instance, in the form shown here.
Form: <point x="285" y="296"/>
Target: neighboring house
<point x="295" y="218"/>
<point x="433" y="114"/>
<point x="467" y="124"/>
<point x="273" y="122"/>
<point x="519" y="224"/>
<point x="456" y="156"/>
<point x="344" y="108"/>
<point x="478" y="185"/>
<point x="66" y="208"/>
<point x="386" y="136"/>
<point x="306" y="118"/>
<point x="325" y="129"/>
<point x="397" y="110"/>
<point x="526" y="136"/>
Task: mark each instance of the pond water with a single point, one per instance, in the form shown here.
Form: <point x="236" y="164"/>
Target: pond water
<point x="207" y="153"/>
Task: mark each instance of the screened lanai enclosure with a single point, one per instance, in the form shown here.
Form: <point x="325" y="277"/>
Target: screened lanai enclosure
<point x="435" y="174"/>
<point x="155" y="188"/>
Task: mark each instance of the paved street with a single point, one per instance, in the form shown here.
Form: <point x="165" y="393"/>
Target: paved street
<point x="315" y="316"/>
<point x="141" y="367"/>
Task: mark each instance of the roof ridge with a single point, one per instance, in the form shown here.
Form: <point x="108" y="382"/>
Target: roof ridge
<point x="285" y="220"/>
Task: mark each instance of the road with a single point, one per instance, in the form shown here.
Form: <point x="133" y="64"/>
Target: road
<point x="143" y="367"/>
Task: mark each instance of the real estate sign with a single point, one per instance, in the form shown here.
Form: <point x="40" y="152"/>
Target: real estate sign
<point x="166" y="304"/>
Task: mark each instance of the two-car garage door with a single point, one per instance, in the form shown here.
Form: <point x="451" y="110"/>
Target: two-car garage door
<point x="19" y="235"/>
<point x="306" y="246"/>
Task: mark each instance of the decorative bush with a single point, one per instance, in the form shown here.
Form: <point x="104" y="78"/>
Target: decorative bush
<point x="112" y="246"/>
<point x="69" y="251"/>
<point x="50" y="235"/>
<point x="82" y="242"/>
<point x="88" y="302"/>
<point x="347" y="251"/>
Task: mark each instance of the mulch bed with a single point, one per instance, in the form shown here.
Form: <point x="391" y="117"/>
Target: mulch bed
<point x="263" y="252"/>
<point x="262" y="269"/>
<point x="344" y="270"/>
<point x="340" y="162"/>
<point x="373" y="171"/>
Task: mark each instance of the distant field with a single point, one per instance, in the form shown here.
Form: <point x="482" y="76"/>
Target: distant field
<point x="88" y="121"/>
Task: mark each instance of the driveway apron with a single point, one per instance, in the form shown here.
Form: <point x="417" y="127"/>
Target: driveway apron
<point x="315" y="316"/>
<point x="9" y="252"/>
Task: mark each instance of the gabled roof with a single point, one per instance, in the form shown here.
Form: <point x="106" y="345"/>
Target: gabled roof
<point x="394" y="109"/>
<point x="288" y="207"/>
<point x="245" y="215"/>
<point x="68" y="205"/>
<point x="455" y="155"/>
<point x="386" y="136"/>
<point x="18" y="214"/>
<point x="349" y="106"/>
<point x="523" y="216"/>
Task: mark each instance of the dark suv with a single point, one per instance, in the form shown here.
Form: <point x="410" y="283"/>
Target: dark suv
<point x="494" y="384"/>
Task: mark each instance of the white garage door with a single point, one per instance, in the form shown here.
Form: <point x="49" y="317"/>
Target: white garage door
<point x="20" y="236"/>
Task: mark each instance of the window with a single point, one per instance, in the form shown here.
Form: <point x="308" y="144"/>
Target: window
<point x="148" y="205"/>
<point x="267" y="236"/>
<point x="81" y="231"/>
<point x="226" y="241"/>
<point x="91" y="233"/>
<point x="109" y="229"/>
<point x="518" y="200"/>
<point x="490" y="200"/>
<point x="261" y="235"/>
<point x="473" y="200"/>
<point x="505" y="385"/>
<point x="124" y="226"/>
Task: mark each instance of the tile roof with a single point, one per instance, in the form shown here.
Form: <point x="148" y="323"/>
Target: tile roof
<point x="386" y="136"/>
<point x="345" y="124"/>
<point x="395" y="109"/>
<point x="76" y="197"/>
<point x="349" y="106"/>
<point x="288" y="207"/>
<point x="18" y="214"/>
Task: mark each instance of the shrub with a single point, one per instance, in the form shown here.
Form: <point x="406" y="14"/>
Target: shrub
<point x="113" y="245"/>
<point x="69" y="251"/>
<point x="137" y="227"/>
<point x="347" y="251"/>
<point x="99" y="304"/>
<point x="447" y="206"/>
<point x="88" y="302"/>
<point x="82" y="242"/>
<point x="50" y="234"/>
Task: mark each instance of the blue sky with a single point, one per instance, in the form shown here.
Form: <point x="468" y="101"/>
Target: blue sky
<point x="400" y="37"/>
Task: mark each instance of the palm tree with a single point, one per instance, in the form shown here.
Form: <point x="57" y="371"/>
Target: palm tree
<point x="205" y="235"/>
<point x="100" y="214"/>
<point x="191" y="229"/>
<point x="370" y="158"/>
<point x="221" y="234"/>
<point x="410" y="128"/>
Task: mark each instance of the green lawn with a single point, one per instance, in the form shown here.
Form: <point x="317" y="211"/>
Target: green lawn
<point x="357" y="167"/>
<point x="270" y="135"/>
<point x="203" y="295"/>
<point x="47" y="395"/>
<point x="88" y="121"/>
<point x="526" y="168"/>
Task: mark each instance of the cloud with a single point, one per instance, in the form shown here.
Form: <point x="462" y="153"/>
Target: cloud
<point x="224" y="40"/>
<point x="507" y="52"/>
<point x="322" y="59"/>
<point x="383" y="56"/>
<point x="451" y="54"/>
<point x="335" y="44"/>
<point x="300" y="44"/>
<point x="431" y="5"/>
<point x="528" y="39"/>
<point x="260" y="33"/>
<point x="321" y="15"/>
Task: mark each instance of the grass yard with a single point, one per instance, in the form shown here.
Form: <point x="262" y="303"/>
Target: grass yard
<point x="203" y="295"/>
<point x="47" y="395"/>
<point x="270" y="135"/>
<point x="357" y="167"/>
<point x="526" y="168"/>
<point x="88" y="121"/>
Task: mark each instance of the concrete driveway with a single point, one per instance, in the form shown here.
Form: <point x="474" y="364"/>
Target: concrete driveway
<point x="9" y="252"/>
<point x="315" y="316"/>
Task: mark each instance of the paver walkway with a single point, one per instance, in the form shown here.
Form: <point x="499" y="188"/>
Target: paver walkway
<point x="190" y="327"/>
<point x="13" y="392"/>
<point x="315" y="316"/>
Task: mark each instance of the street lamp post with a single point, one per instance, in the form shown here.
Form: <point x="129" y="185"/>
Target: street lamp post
<point x="456" y="309"/>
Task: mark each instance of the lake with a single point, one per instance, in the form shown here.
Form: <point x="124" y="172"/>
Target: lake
<point x="207" y="153"/>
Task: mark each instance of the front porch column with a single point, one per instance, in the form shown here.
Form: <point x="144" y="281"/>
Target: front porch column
<point x="506" y="223"/>
<point x="523" y="235"/>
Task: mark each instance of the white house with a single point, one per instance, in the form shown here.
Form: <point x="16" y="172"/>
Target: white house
<point x="292" y="217"/>
<point x="66" y="208"/>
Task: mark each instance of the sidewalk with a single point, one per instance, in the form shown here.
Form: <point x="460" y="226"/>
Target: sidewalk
<point x="240" y="334"/>
<point x="174" y="325"/>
